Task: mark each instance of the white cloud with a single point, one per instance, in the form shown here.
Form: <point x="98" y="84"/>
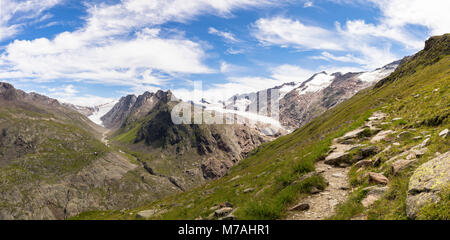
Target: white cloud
<point x="247" y="84"/>
<point x="292" y="33"/>
<point x="120" y="44"/>
<point x="362" y="29"/>
<point x="432" y="14"/>
<point x="290" y="73"/>
<point x="367" y="44"/>
<point x="230" y="68"/>
<point x="233" y="51"/>
<point x="308" y="4"/>
<point x="225" y="35"/>
<point x="63" y="91"/>
<point x="355" y="43"/>
<point x="13" y="15"/>
<point x="124" y="62"/>
<point x="69" y="94"/>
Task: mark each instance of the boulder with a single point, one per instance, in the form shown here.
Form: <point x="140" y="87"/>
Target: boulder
<point x="378" y="178"/>
<point x="248" y="190"/>
<point x="300" y="207"/>
<point x="214" y="208"/>
<point x="222" y="212"/>
<point x="443" y="133"/>
<point x="363" y="163"/>
<point x="373" y="194"/>
<point x="399" y="165"/>
<point x="336" y="158"/>
<point x="426" y="184"/>
<point x="381" y="136"/>
<point x="357" y="133"/>
<point x="365" y="152"/>
<point x="424" y="143"/>
<point x="146" y="213"/>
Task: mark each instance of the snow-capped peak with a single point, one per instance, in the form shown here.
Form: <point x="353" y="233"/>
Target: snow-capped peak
<point x="318" y="82"/>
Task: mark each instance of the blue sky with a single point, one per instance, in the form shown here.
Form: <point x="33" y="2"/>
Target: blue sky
<point x="90" y="52"/>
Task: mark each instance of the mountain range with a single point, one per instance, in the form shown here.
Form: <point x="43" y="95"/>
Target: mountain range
<point x="366" y="136"/>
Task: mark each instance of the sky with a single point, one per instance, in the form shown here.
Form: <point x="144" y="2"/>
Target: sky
<point x="92" y="52"/>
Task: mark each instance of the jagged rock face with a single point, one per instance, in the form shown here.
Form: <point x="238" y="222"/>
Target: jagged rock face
<point x="9" y="93"/>
<point x="52" y="165"/>
<point x="115" y="117"/>
<point x="131" y="108"/>
<point x="200" y="150"/>
<point x="299" y="107"/>
<point x="86" y="111"/>
<point x="303" y="101"/>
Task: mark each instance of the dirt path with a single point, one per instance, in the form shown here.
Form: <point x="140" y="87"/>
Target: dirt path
<point x="105" y="137"/>
<point x="322" y="204"/>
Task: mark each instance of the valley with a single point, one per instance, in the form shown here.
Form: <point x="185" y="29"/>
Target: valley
<point x="370" y="145"/>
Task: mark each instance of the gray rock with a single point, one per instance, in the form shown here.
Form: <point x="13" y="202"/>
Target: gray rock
<point x="223" y="212"/>
<point x="363" y="163"/>
<point x="381" y="136"/>
<point x="399" y="165"/>
<point x="213" y="208"/>
<point x="425" y="143"/>
<point x="427" y="182"/>
<point x="146" y="213"/>
<point x="374" y="193"/>
<point x="300" y="207"/>
<point x="443" y="133"/>
<point x="378" y="178"/>
<point x="248" y="190"/>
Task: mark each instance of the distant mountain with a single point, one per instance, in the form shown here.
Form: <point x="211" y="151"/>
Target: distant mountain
<point x="194" y="152"/>
<point x="323" y="91"/>
<point x="53" y="164"/>
<point x="93" y="113"/>
<point x="382" y="154"/>
<point x="302" y="101"/>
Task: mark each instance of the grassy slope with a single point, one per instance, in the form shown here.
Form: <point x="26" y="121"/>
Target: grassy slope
<point x="59" y="148"/>
<point x="272" y="169"/>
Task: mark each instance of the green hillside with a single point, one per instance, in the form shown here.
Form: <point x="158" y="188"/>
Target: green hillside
<point x="275" y="175"/>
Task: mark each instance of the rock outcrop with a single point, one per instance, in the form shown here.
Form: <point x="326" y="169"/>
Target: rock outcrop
<point x="427" y="182"/>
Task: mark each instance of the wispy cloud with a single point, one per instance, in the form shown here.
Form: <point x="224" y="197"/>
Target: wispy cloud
<point x="15" y="14"/>
<point x="223" y="34"/>
<point x="293" y="33"/>
<point x="308" y="4"/>
<point x="119" y="44"/>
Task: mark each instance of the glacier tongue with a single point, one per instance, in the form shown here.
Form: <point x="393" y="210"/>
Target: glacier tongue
<point x="100" y="111"/>
<point x="319" y="82"/>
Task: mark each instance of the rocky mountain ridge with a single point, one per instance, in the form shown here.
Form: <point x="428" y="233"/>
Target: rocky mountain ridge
<point x="382" y="154"/>
<point x="300" y="102"/>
